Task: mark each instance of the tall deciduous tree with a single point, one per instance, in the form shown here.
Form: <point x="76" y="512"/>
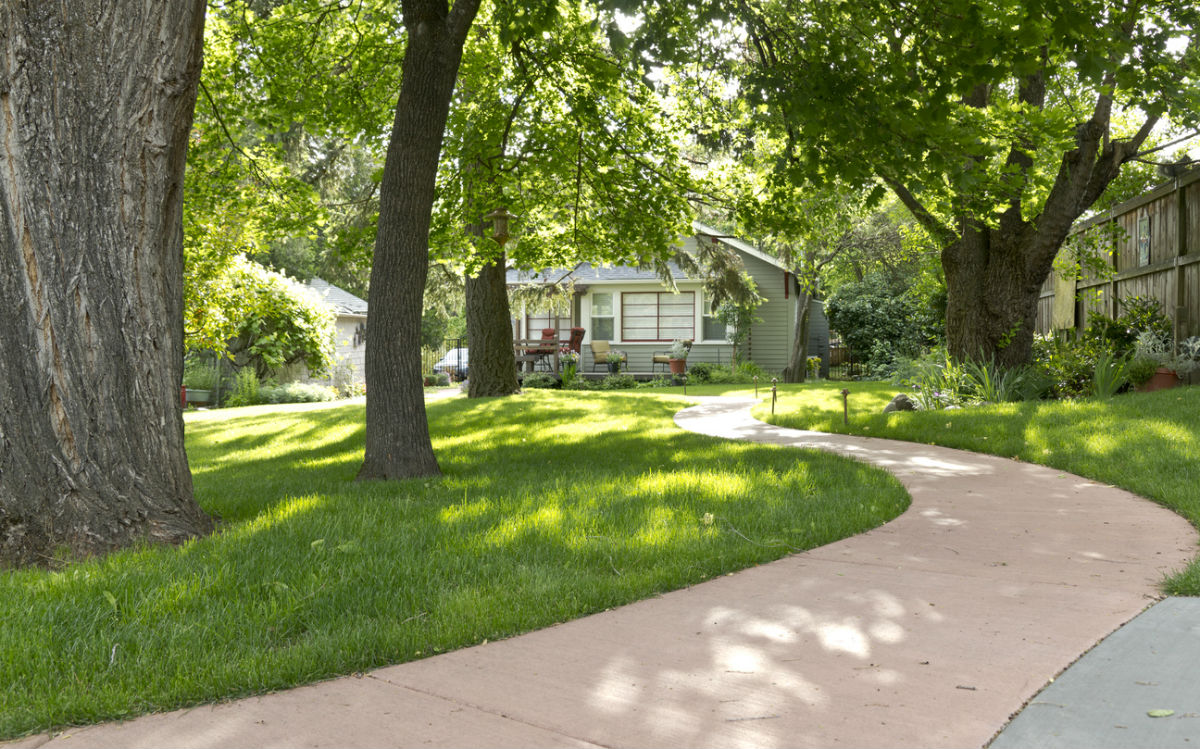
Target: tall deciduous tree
<point x="95" y="104"/>
<point x="558" y="128"/>
<point x="397" y="434"/>
<point x="997" y="125"/>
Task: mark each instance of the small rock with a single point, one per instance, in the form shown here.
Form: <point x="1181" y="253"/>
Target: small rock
<point x="900" y="403"/>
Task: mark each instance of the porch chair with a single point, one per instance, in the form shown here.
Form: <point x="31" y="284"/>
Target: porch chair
<point x="576" y="341"/>
<point x="600" y="352"/>
<point x="543" y="353"/>
<point x="663" y="358"/>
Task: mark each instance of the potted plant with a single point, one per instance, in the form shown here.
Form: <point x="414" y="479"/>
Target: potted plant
<point x="1156" y="367"/>
<point x="679" y="354"/>
<point x="614" y="361"/>
<point x="813" y="364"/>
<point x="199" y="380"/>
<point x="570" y="361"/>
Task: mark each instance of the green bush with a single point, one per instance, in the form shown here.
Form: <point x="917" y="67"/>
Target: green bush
<point x="661" y="381"/>
<point x="245" y="388"/>
<point x="199" y="374"/>
<point x="296" y="392"/>
<point x="540" y="380"/>
<point x="883" y="319"/>
<point x="1140" y="371"/>
<point x="617" y="382"/>
<point x="701" y="371"/>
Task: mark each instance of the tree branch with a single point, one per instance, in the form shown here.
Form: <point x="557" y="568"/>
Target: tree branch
<point x="944" y="234"/>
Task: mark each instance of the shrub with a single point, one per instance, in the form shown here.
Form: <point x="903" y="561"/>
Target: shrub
<point x="701" y="371"/>
<point x="245" y="388"/>
<point x="661" y="381"/>
<point x="617" y="382"/>
<point x="882" y="319"/>
<point x="539" y="380"/>
<point x="1140" y="371"/>
<point x="296" y="392"/>
<point x="1067" y="366"/>
<point x="200" y="375"/>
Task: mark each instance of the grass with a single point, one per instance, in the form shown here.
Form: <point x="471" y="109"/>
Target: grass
<point x="552" y="506"/>
<point x="1147" y="443"/>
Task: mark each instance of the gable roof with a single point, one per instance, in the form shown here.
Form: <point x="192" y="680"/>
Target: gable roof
<point x="343" y="301"/>
<point x="586" y="272"/>
<point x="702" y="230"/>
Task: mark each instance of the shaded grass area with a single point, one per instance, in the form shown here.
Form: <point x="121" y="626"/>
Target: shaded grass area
<point x="1147" y="443"/>
<point x="552" y="506"/>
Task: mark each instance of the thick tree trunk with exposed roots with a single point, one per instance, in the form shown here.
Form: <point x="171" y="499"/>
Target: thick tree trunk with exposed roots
<point x="96" y="103"/>
<point x="992" y="283"/>
<point x="493" y="365"/>
<point x="397" y="433"/>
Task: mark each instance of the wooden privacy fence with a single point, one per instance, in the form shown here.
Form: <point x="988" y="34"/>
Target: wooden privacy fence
<point x="1149" y="247"/>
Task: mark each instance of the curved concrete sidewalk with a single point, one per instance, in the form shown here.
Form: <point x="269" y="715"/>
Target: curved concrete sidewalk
<point x="929" y="631"/>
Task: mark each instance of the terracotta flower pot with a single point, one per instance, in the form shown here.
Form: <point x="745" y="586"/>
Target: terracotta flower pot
<point x="678" y="366"/>
<point x="1163" y="378"/>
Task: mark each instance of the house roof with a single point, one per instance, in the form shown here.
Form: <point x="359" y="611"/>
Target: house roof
<point x="343" y="301"/>
<point x="702" y="230"/>
<point x="586" y="272"/>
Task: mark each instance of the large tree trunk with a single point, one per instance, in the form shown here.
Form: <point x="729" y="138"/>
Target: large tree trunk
<point x="993" y="279"/>
<point x="493" y="365"/>
<point x="96" y="103"/>
<point x="397" y="434"/>
<point x="797" y="368"/>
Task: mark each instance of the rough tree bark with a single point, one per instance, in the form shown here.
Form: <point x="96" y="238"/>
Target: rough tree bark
<point x="96" y="102"/>
<point x="397" y="434"/>
<point x="493" y="365"/>
<point x="797" y="368"/>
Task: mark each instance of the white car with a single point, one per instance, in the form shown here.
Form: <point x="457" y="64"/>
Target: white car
<point x="454" y="363"/>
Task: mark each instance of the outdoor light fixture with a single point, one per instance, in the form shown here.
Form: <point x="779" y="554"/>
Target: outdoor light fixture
<point x="500" y="218"/>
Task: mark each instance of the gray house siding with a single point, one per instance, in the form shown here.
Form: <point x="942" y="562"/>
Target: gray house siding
<point x="771" y="339"/>
<point x="818" y="334"/>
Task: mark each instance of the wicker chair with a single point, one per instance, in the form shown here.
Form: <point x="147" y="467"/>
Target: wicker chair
<point x="600" y="352"/>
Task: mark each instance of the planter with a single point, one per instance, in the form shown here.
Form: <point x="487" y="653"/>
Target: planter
<point x="614" y="367"/>
<point x="199" y="397"/>
<point x="678" y="366"/>
<point x="1163" y="378"/>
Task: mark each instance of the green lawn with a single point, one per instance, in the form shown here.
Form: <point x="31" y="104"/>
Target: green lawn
<point x="1148" y="443"/>
<point x="553" y="505"/>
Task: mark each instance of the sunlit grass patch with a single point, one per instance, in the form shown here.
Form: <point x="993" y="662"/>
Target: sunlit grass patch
<point x="1147" y="443"/>
<point x="552" y="506"/>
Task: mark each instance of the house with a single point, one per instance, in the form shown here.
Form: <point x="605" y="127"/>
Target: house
<point x="633" y="310"/>
<point x="350" y="336"/>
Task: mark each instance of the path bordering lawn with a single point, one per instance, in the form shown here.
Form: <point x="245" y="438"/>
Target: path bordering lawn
<point x="928" y="631"/>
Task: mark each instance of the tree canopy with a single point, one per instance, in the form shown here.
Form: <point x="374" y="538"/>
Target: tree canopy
<point x="996" y="124"/>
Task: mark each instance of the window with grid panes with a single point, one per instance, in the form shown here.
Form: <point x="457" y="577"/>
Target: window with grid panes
<point x="657" y="316"/>
<point x="602" y="316"/>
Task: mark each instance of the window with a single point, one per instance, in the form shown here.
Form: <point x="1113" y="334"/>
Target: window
<point x="713" y="329"/>
<point x="602" y="316"/>
<point x="557" y="317"/>
<point x="658" y="316"/>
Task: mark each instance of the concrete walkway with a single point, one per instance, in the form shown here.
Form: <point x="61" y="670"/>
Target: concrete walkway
<point x="929" y="631"/>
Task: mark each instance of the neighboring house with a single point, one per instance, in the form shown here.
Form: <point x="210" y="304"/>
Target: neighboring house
<point x="350" y="336"/>
<point x="633" y="310"/>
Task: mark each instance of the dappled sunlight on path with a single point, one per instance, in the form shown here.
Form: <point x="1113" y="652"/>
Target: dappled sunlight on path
<point x="930" y="630"/>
